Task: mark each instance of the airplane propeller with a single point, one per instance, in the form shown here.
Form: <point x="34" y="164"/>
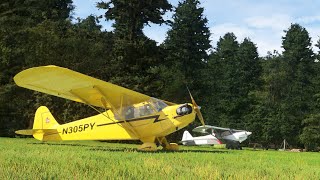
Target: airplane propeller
<point x="196" y="108"/>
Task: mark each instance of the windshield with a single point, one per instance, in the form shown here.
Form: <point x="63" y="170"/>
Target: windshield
<point x="157" y="104"/>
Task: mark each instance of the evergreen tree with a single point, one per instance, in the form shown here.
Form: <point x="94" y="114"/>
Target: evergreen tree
<point x="135" y="55"/>
<point x="51" y="39"/>
<point x="249" y="67"/>
<point x="318" y="45"/>
<point x="248" y="78"/>
<point x="299" y="61"/>
<point x="186" y="46"/>
<point x="310" y="136"/>
<point x="234" y="78"/>
<point x="18" y="18"/>
<point x="270" y="115"/>
<point x="131" y="16"/>
<point x="222" y="77"/>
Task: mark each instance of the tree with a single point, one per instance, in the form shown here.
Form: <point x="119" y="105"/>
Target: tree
<point x="270" y="115"/>
<point x="318" y="54"/>
<point x="249" y="84"/>
<point x="311" y="124"/>
<point x="186" y="46"/>
<point x="131" y="16"/>
<point x="299" y="74"/>
<point x="18" y="19"/>
<point x="222" y="80"/>
<point x="310" y="136"/>
<point x="249" y="67"/>
<point x="134" y="56"/>
<point x="44" y="35"/>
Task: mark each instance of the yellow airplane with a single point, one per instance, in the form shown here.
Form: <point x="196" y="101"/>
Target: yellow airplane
<point x="126" y="114"/>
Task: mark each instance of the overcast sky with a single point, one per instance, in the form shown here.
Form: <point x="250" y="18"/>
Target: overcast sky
<point x="262" y="21"/>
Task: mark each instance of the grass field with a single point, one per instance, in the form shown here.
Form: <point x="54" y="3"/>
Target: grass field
<point x="31" y="159"/>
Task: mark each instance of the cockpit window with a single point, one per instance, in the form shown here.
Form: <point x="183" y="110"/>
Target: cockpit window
<point x="226" y="133"/>
<point x="158" y="104"/>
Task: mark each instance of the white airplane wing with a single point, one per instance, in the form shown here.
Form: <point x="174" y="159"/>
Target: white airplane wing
<point x="203" y="129"/>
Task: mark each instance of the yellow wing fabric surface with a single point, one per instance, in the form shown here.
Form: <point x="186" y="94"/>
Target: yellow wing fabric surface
<point x="68" y="84"/>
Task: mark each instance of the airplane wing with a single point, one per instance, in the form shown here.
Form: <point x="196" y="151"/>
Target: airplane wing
<point x="203" y="129"/>
<point x="68" y="84"/>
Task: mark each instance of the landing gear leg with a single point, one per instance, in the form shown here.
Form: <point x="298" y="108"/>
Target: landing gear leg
<point x="228" y="146"/>
<point x="168" y="146"/>
<point x="148" y="144"/>
<point x="239" y="146"/>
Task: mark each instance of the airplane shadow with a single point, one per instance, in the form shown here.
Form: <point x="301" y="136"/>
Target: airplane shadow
<point x="158" y="151"/>
<point x="125" y="149"/>
<point x="54" y="144"/>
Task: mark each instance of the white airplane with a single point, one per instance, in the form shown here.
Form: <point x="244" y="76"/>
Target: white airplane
<point x="209" y="139"/>
<point x="216" y="135"/>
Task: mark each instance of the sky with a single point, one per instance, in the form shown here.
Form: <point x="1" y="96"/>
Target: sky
<point x="262" y="21"/>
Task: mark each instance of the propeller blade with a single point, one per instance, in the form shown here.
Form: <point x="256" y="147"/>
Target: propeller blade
<point x="193" y="101"/>
<point x="196" y="108"/>
<point x="200" y="116"/>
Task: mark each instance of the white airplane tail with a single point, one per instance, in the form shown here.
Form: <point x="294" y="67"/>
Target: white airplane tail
<point x="186" y="136"/>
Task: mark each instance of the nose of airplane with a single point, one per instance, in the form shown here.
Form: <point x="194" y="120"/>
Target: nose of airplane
<point x="248" y="133"/>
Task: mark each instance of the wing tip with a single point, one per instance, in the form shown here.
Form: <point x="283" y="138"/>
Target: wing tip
<point x="51" y="66"/>
<point x="18" y="78"/>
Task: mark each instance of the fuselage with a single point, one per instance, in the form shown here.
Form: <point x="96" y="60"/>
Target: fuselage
<point x="202" y="140"/>
<point x="107" y="126"/>
<point x="225" y="137"/>
<point x="237" y="136"/>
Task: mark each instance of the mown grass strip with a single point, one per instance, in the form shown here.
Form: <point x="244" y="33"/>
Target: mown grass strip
<point x="31" y="159"/>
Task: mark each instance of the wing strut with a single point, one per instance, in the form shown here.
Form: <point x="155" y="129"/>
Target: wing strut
<point x="96" y="88"/>
<point x="72" y="92"/>
<point x="114" y="110"/>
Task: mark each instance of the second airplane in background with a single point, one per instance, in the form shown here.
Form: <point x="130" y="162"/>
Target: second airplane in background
<point x="216" y="135"/>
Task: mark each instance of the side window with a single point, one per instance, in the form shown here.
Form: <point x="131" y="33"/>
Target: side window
<point x="225" y="133"/>
<point x="129" y="113"/>
<point x="145" y="110"/>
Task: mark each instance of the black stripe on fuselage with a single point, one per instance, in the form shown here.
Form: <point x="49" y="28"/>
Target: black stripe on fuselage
<point x="136" y="119"/>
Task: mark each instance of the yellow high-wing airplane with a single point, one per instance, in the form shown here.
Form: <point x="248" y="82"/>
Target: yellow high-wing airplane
<point x="128" y="115"/>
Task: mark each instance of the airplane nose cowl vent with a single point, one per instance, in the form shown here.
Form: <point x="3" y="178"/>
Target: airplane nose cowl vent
<point x="184" y="110"/>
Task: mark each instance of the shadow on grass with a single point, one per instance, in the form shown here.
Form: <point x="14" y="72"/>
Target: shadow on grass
<point x="158" y="151"/>
<point x="125" y="149"/>
<point x="59" y="144"/>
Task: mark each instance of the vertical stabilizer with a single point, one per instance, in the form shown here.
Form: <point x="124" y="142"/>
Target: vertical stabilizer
<point x="186" y="136"/>
<point x="43" y="119"/>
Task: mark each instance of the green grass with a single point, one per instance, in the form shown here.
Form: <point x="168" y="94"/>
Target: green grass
<point x="31" y="159"/>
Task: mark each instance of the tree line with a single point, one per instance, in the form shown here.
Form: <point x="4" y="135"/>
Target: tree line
<point x="276" y="97"/>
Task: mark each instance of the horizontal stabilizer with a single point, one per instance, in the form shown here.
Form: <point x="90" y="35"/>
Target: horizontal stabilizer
<point x="35" y="131"/>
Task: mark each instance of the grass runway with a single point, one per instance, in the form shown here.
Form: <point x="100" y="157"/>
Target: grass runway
<point x="31" y="159"/>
